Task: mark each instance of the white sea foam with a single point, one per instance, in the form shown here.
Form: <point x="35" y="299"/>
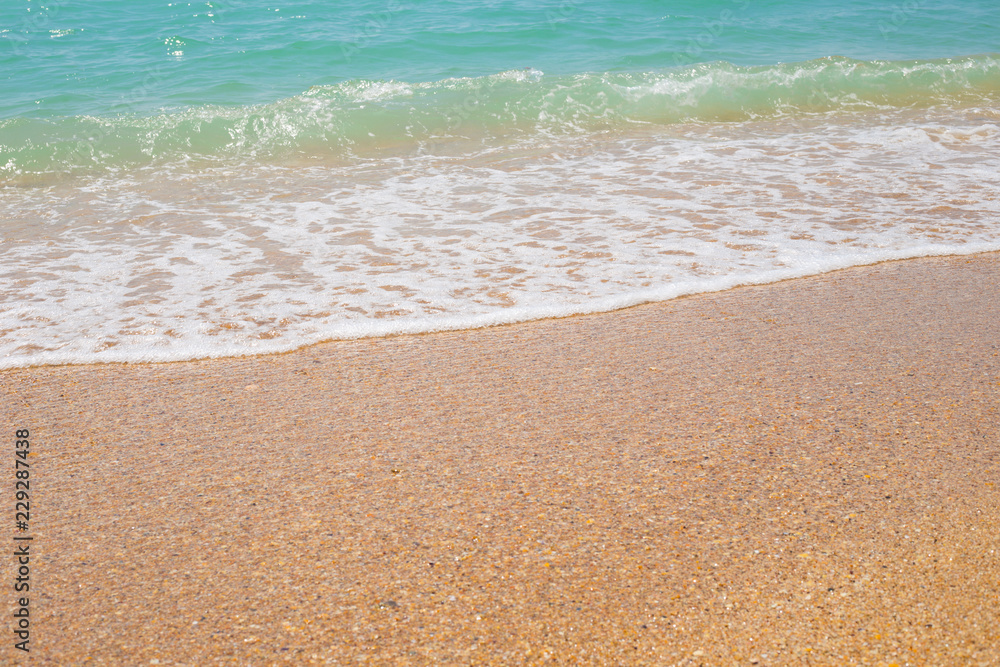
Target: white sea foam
<point x="168" y="264"/>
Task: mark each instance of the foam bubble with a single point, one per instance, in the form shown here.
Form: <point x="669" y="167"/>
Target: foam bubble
<point x="178" y="263"/>
<point x="366" y="118"/>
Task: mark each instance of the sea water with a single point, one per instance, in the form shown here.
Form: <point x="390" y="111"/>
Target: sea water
<point x="182" y="180"/>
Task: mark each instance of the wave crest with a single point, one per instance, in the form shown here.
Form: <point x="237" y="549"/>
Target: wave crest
<point x="359" y="118"/>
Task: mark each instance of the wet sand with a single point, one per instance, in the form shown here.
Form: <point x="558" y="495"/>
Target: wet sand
<point x="799" y="473"/>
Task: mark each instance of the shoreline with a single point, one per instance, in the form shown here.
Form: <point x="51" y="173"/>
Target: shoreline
<point x="636" y="302"/>
<point x="797" y="471"/>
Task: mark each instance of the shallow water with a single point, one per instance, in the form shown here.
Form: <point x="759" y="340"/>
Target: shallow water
<point x="216" y="200"/>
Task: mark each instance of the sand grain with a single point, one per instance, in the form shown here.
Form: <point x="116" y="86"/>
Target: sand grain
<point x="796" y="472"/>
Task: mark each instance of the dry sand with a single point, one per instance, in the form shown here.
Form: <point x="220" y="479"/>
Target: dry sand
<point x="800" y="473"/>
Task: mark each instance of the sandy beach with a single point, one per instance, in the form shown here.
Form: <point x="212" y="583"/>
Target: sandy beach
<point x="797" y="473"/>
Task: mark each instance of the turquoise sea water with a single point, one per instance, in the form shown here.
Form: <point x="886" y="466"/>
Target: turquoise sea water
<point x="185" y="179"/>
<point x="65" y="59"/>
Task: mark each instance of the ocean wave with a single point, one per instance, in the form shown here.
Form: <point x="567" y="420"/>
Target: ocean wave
<point x="363" y="118"/>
